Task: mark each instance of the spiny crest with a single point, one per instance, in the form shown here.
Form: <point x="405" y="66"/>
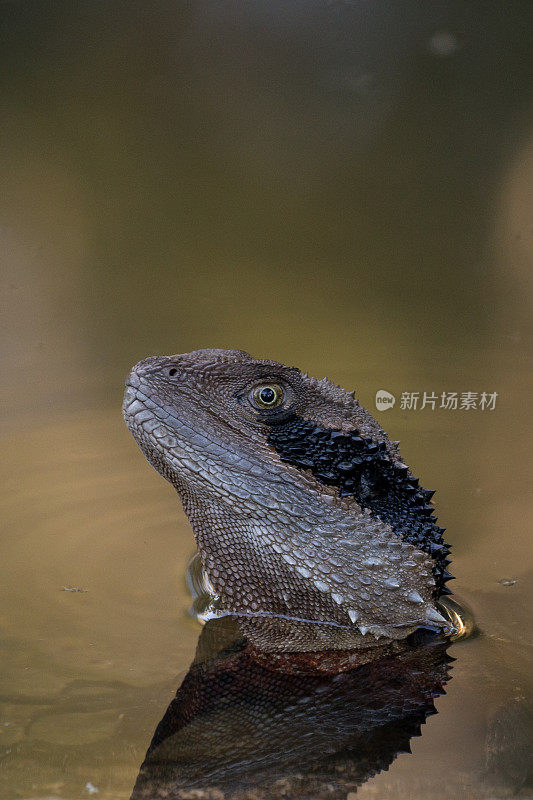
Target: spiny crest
<point x="213" y="355"/>
<point x="332" y="392"/>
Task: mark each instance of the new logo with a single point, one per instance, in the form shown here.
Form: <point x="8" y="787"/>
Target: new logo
<point x="384" y="400"/>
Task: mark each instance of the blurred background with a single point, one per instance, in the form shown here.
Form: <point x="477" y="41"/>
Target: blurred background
<point x="342" y="186"/>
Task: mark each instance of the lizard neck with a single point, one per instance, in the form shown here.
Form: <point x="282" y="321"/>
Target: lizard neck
<point x="347" y="570"/>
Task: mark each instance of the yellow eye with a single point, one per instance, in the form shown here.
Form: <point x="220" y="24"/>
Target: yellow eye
<point x="268" y="396"/>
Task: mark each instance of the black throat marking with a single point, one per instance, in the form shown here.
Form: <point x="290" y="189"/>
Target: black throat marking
<point x="362" y="468"/>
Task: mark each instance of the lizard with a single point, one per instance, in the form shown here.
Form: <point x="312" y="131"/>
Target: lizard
<point x="301" y="506"/>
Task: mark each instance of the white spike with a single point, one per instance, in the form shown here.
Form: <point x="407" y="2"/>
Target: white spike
<point x="414" y="597"/>
<point x="363" y="629"/>
<point x="353" y="614"/>
<point x="392" y="583"/>
<point x="433" y="616"/>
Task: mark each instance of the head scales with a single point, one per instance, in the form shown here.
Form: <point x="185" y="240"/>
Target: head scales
<point x="310" y="512"/>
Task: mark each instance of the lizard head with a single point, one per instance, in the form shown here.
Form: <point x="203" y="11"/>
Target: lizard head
<point x="300" y="504"/>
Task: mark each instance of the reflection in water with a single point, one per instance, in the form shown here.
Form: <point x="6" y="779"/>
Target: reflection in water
<point x="241" y="727"/>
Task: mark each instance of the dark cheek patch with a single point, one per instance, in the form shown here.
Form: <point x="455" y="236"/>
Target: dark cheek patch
<point x="363" y="469"/>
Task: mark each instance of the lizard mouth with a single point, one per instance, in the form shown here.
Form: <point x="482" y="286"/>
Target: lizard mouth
<point x="133" y="405"/>
<point x="139" y="412"/>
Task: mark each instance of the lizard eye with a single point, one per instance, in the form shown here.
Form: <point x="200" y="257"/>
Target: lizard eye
<point x="267" y="396"/>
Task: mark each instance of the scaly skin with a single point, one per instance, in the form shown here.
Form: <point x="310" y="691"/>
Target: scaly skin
<point x="305" y="510"/>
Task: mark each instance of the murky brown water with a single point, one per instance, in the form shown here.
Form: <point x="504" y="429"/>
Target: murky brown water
<point x="342" y="186"/>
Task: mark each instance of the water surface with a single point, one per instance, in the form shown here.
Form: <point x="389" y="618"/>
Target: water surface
<point x="341" y="186"/>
